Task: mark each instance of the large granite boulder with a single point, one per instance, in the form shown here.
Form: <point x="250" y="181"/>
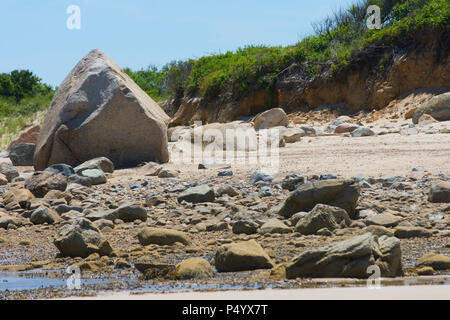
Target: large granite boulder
<point x="99" y="111"/>
<point x="349" y="258"/>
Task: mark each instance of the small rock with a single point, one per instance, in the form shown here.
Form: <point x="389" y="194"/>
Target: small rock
<point x="194" y="268"/>
<point x="241" y="257"/>
<point x="161" y="236"/>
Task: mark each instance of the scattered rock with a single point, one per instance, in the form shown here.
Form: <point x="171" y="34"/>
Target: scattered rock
<point x="63" y="169"/>
<point x="411" y="232"/>
<point x="197" y="194"/>
<point x="438" y="107"/>
<point x="42" y="182"/>
<point x="261" y="175"/>
<point x="44" y="215"/>
<point x="349" y="259"/>
<point x="17" y="196"/>
<point x="439" y="192"/>
<point x="434" y="260"/>
<point x="194" y="268"/>
<point x="363" y="132"/>
<point x="346" y="128"/>
<point x="130" y="212"/>
<point x="245" y="226"/>
<point x="226" y="189"/>
<point x="21" y="154"/>
<point x="242" y="256"/>
<point x="96" y="176"/>
<point x="292" y="181"/>
<point x="339" y="193"/>
<point x="323" y="216"/>
<point x="80" y="239"/>
<point x="161" y="236"/>
<point x="274" y="226"/>
<point x="8" y="171"/>
<point x="271" y="118"/>
<point x="383" y="219"/>
<point x="100" y="163"/>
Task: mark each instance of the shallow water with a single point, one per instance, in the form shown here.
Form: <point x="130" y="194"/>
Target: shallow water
<point x="21" y="281"/>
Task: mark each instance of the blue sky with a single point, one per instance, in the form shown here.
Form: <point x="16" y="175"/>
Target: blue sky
<point x="138" y="33"/>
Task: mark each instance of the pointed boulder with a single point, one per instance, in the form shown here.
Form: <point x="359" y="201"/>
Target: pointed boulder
<point x="99" y="111"/>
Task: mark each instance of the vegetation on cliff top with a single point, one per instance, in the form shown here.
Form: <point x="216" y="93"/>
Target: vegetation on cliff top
<point x="335" y="41"/>
<point x="22" y="96"/>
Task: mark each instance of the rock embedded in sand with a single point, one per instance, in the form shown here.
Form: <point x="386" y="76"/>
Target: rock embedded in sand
<point x="161" y="236"/>
<point x="339" y="193"/>
<point x="63" y="169"/>
<point x="411" y="232"/>
<point x="99" y="111"/>
<point x="17" y="196"/>
<point x="349" y="258"/>
<point x="242" y="256"/>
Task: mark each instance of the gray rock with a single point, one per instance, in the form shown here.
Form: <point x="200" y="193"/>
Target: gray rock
<point x="71" y="215"/>
<point x="83" y="181"/>
<point x="129" y="212"/>
<point x="102" y="223"/>
<point x="245" y="226"/>
<point x="41" y="182"/>
<point x="439" y="192"/>
<point x="292" y="181"/>
<point x="43" y="215"/>
<point x="438" y="107"/>
<point x="80" y="239"/>
<point x="21" y="154"/>
<point x="261" y="175"/>
<point x="339" y="193"/>
<point x="411" y="232"/>
<point x="363" y="132"/>
<point x="274" y="226"/>
<point x="111" y="215"/>
<point x="349" y="259"/>
<point x="197" y="194"/>
<point x="100" y="163"/>
<point x="63" y="208"/>
<point x="96" y="176"/>
<point x="382" y="219"/>
<point x="323" y="216"/>
<point x="63" y="169"/>
<point x="241" y="256"/>
<point x="8" y="171"/>
<point x="226" y="189"/>
<point x="161" y="236"/>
